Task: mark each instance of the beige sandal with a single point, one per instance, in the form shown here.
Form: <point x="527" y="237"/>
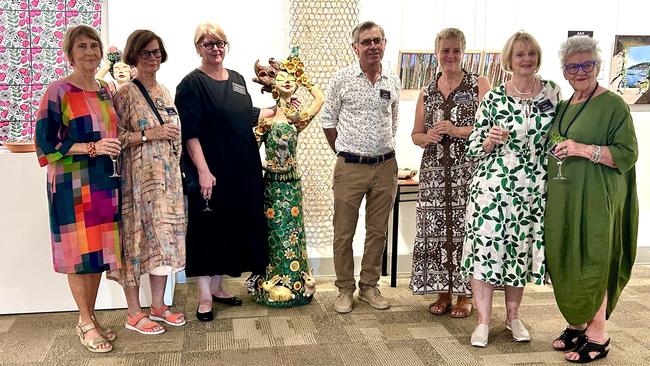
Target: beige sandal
<point x="95" y="344"/>
<point x="107" y="333"/>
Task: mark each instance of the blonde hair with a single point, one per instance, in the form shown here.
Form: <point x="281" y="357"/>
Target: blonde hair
<point x="454" y="34"/>
<point x="506" y="53"/>
<point x="73" y="33"/>
<point x="209" y="29"/>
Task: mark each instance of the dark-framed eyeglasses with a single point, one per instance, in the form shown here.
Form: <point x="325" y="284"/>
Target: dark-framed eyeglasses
<point x="587" y="67"/>
<point x="369" y="41"/>
<point x="145" y="54"/>
<point x="210" y="45"/>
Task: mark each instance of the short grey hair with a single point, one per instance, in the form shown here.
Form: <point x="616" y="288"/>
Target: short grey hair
<point x="579" y="44"/>
<point x="369" y="24"/>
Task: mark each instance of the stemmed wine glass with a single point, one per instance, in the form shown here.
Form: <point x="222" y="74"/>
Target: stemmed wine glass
<point x="115" y="173"/>
<point x="207" y="205"/>
<point x="556" y="138"/>
<point x="505" y="135"/>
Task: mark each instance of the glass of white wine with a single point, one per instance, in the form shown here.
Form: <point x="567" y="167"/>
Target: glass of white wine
<point x="555" y="139"/>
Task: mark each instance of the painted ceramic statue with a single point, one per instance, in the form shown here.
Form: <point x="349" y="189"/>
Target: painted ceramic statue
<point x="120" y="71"/>
<point x="289" y="281"/>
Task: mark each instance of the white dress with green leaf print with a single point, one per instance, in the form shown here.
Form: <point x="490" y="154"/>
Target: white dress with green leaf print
<point x="504" y="224"/>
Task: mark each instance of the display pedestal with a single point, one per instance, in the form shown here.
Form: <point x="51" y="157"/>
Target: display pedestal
<point x="28" y="283"/>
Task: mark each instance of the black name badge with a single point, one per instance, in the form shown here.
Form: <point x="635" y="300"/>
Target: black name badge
<point x="545" y="105"/>
<point x="171" y="111"/>
<point x="103" y="94"/>
<point x="384" y="94"/>
<point x="462" y="98"/>
<point x="237" y="88"/>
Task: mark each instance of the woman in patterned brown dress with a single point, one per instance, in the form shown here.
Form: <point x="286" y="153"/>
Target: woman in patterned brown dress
<point x="153" y="212"/>
<point x="444" y="117"/>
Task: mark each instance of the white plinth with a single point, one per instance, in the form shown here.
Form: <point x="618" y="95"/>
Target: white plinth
<point x="28" y="283"/>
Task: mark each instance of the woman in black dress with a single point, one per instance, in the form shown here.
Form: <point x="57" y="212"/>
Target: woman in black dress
<point x="226" y="232"/>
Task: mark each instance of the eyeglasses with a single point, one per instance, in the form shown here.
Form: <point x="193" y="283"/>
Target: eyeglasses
<point x="587" y="67"/>
<point x="367" y="42"/>
<point x="144" y="54"/>
<point x="210" y="45"/>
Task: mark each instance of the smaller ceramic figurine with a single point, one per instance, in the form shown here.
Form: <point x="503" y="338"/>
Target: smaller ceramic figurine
<point x="120" y="71"/>
<point x="277" y="292"/>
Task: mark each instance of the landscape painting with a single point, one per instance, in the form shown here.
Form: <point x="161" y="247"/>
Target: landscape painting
<point x="630" y="69"/>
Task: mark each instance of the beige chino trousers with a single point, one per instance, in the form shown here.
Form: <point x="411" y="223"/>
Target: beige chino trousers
<point x="351" y="183"/>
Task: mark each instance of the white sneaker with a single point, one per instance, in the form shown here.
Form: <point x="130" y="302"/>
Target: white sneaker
<point x="480" y="335"/>
<point x="519" y="332"/>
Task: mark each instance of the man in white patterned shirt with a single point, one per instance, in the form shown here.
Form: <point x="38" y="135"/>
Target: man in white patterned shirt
<point x="359" y="120"/>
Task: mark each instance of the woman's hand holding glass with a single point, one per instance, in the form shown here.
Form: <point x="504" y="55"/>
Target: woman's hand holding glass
<point x="497" y="135"/>
<point x="108" y="146"/>
<point x="168" y="131"/>
<point x="206" y="182"/>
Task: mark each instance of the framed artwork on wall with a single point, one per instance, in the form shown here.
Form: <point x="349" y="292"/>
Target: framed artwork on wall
<point x="630" y="68"/>
<point x="472" y="61"/>
<point x="417" y="68"/>
<point x="491" y="68"/>
<point x="31" y="56"/>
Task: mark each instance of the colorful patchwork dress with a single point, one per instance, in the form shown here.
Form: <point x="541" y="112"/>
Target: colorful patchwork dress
<point x="283" y="208"/>
<point x="83" y="199"/>
<point x="504" y="223"/>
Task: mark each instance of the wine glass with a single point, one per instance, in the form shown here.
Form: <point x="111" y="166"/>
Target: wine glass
<point x="115" y="173"/>
<point x="556" y="138"/>
<point x="207" y="205"/>
<point x="505" y="135"/>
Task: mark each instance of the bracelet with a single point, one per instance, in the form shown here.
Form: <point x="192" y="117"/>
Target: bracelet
<point x="92" y="151"/>
<point x="595" y="154"/>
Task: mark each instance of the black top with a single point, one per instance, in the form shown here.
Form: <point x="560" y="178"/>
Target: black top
<point x="232" y="238"/>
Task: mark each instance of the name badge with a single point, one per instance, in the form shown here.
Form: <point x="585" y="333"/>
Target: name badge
<point x="545" y="105"/>
<point x="171" y="111"/>
<point x="384" y="94"/>
<point x="238" y="89"/>
<point x="103" y="94"/>
<point x="462" y="98"/>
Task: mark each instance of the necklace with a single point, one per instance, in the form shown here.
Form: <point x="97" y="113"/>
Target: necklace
<point x="451" y="86"/>
<point x="561" y="116"/>
<point x="514" y="86"/>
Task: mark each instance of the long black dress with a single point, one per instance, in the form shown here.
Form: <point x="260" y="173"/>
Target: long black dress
<point x="232" y="238"/>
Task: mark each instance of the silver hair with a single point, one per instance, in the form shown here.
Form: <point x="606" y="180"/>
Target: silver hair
<point x="579" y="44"/>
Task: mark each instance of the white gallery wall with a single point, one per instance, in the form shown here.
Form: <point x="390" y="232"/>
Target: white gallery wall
<point x="260" y="29"/>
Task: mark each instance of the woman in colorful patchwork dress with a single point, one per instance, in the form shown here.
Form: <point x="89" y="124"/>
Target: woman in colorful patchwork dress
<point x="288" y="280"/>
<point x="76" y="134"/>
<point x="153" y="210"/>
<point x="504" y="225"/>
<point x="592" y="216"/>
<point x="444" y="117"/>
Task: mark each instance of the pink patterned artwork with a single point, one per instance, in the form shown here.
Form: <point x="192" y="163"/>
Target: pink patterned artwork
<point x="31" y="55"/>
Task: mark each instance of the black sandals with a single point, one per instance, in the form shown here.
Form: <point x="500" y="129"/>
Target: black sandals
<point x="571" y="338"/>
<point x="587" y="347"/>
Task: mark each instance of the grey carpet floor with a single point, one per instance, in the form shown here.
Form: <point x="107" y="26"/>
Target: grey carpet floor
<point x="251" y="334"/>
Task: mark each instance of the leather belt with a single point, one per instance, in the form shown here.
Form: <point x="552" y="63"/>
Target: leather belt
<point x="358" y="159"/>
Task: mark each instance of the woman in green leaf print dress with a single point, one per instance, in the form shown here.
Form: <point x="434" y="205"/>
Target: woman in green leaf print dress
<point x="503" y="244"/>
<point x="288" y="280"/>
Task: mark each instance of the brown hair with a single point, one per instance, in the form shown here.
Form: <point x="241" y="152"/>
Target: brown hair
<point x="138" y="40"/>
<point x="73" y="33"/>
<point x="506" y="53"/>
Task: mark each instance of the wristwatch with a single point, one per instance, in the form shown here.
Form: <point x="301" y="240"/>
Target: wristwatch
<point x="144" y="137"/>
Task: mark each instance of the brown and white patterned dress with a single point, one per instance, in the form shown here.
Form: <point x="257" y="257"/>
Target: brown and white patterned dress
<point x="445" y="174"/>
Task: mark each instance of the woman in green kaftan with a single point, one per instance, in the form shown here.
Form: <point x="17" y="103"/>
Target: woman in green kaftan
<point x="288" y="280"/>
<point x="591" y="216"/>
